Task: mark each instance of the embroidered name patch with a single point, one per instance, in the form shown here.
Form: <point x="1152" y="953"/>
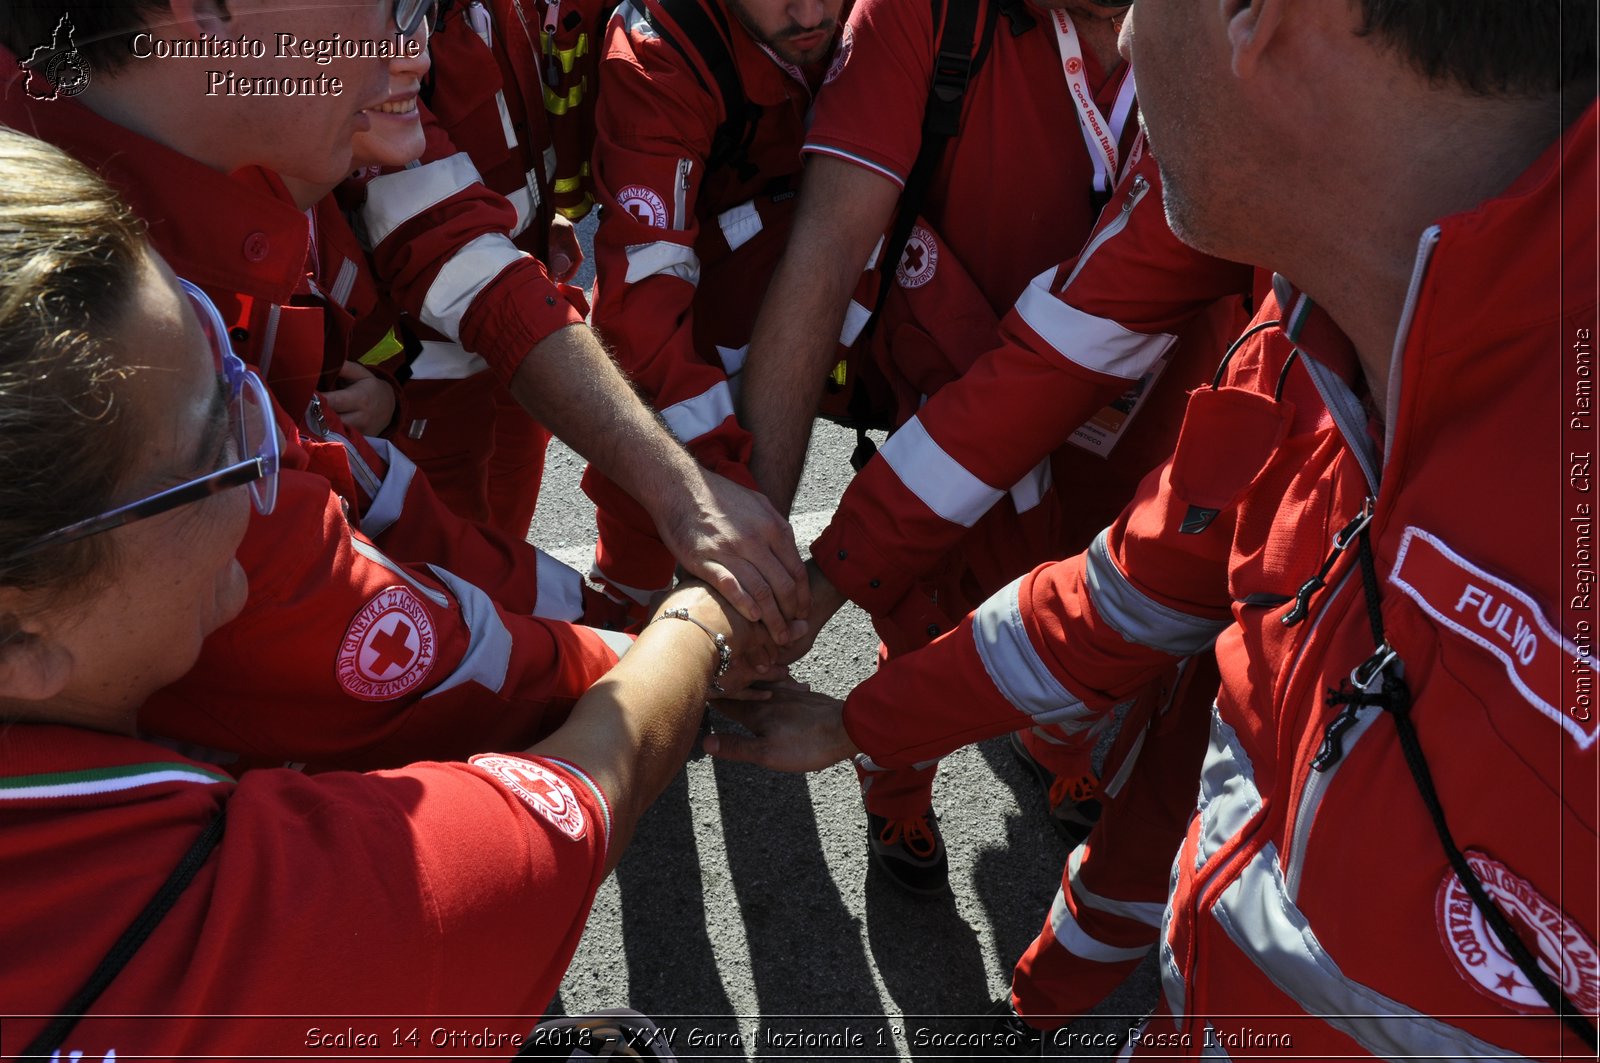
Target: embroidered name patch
<point x="1490" y="612"/>
<point x="388" y="648"/>
<point x="644" y="204"/>
<point x="919" y="260"/>
<point x="540" y="789"/>
<point x="1563" y="951"/>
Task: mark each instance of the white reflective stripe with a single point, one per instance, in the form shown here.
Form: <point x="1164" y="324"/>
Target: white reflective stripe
<point x="550" y="163"/>
<point x="1096" y="343"/>
<point x="856" y="317"/>
<point x="344" y="283"/>
<point x="1077" y="941"/>
<point x="443" y="360"/>
<point x="1125" y="769"/>
<point x="560" y="592"/>
<point x="522" y="201"/>
<point x="1029" y="491"/>
<point x="1228" y="796"/>
<point x="693" y="418"/>
<point x="390" y="500"/>
<point x="395" y="198"/>
<point x="872" y="259"/>
<point x="733" y="358"/>
<point x="941" y="482"/>
<point x="866" y="763"/>
<point x="378" y="557"/>
<point x="663" y="256"/>
<point x="1014" y="666"/>
<point x="488" y="656"/>
<point x="1139" y="618"/>
<point x="1146" y="912"/>
<point x="469" y="271"/>
<point x="365" y="476"/>
<point x="637" y="595"/>
<point x="1265" y="924"/>
<point x="505" y="119"/>
<point x="615" y="641"/>
<point x="740" y="224"/>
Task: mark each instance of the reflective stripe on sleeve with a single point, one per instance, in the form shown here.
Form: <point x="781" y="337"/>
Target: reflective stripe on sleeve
<point x="1094" y="343"/>
<point x="662" y="257"/>
<point x="443" y="360"/>
<point x="692" y="418"/>
<point x="396" y="198"/>
<point x="469" y="271"/>
<point x="1015" y="667"/>
<point x="488" y="656"/>
<point x="1137" y="617"/>
<point x="740" y="224"/>
<point x="856" y="317"/>
<point x="390" y="500"/>
<point x="560" y="592"/>
<point x="1029" y="491"/>
<point x="942" y="483"/>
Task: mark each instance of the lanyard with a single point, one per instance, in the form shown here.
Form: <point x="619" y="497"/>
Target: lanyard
<point x="1099" y="135"/>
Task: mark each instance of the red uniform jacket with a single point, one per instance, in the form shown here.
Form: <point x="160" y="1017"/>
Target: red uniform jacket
<point x="1315" y="904"/>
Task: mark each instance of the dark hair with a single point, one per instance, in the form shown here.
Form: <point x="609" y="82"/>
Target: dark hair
<point x="70" y="256"/>
<point x="102" y="29"/>
<point x="1491" y="47"/>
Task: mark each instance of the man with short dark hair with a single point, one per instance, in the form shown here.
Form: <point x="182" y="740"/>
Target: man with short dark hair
<point x="1377" y="511"/>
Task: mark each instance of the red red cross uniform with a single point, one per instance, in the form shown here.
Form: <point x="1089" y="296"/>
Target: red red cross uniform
<point x="432" y="890"/>
<point x="1311" y="900"/>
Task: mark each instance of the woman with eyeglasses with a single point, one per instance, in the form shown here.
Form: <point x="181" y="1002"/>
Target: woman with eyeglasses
<point x="141" y="891"/>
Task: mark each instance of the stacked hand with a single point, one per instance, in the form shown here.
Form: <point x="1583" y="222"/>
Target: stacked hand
<point x="754" y="654"/>
<point x="794" y="729"/>
<point x="732" y="537"/>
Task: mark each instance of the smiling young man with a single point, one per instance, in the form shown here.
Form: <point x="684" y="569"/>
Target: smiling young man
<point x="701" y="113"/>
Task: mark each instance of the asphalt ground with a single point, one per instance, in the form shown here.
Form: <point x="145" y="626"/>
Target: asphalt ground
<point x="743" y="918"/>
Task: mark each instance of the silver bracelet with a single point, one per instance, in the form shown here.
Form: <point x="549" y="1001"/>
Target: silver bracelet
<point x="724" y="651"/>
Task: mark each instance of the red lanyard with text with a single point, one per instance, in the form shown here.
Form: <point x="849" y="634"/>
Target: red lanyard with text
<point x="1100" y="135"/>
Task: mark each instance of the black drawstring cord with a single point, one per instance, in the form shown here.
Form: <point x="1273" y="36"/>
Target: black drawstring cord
<point x="1394" y="697"/>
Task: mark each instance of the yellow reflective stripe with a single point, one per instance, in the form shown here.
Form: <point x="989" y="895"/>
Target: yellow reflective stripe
<point x="567" y="56"/>
<point x="559" y="105"/>
<point x="383" y="350"/>
<point x="579" y="212"/>
<point x="567" y="184"/>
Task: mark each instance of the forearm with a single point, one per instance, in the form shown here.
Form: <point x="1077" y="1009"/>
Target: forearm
<point x="633" y="729"/>
<point x="571" y="385"/>
<point x="842" y="215"/>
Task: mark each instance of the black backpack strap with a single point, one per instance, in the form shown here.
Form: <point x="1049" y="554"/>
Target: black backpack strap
<point x="708" y="37"/>
<point x="56" y="1031"/>
<point x="954" y="65"/>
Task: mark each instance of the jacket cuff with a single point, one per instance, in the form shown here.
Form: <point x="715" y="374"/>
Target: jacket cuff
<point x="848" y="556"/>
<point x="517" y="312"/>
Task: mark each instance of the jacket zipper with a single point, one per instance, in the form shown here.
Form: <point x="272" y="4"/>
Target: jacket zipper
<point x="1141" y="186"/>
<point x="1342" y="732"/>
<point x="680" y="194"/>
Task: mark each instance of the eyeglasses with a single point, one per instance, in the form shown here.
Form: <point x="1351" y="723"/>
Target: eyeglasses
<point x="254" y="430"/>
<point x="408" y="15"/>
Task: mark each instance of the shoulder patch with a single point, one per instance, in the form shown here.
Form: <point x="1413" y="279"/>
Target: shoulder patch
<point x="645" y="204"/>
<point x="920" y="259"/>
<point x="388" y="648"/>
<point x="841" y="54"/>
<point x="541" y="789"/>
<point x="1496" y="616"/>
<point x="1563" y="950"/>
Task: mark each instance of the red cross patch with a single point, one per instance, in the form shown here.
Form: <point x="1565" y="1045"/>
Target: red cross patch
<point x="388" y="648"/>
<point x="919" y="260"/>
<point x="645" y="205"/>
<point x="540" y="789"/>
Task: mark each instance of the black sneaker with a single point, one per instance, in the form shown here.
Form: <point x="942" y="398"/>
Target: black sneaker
<point x="910" y="852"/>
<point x="1000" y="1033"/>
<point x="1073" y="803"/>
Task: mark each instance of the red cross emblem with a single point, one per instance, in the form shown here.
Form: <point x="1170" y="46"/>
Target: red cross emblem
<point x="392" y="648"/>
<point x="389" y="647"/>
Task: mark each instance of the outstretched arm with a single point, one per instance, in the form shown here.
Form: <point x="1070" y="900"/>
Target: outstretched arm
<point x="844" y="209"/>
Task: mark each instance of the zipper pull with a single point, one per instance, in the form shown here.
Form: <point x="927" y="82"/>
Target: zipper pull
<point x="1141" y="185"/>
<point x="1341" y="542"/>
<point x="1332" y="748"/>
